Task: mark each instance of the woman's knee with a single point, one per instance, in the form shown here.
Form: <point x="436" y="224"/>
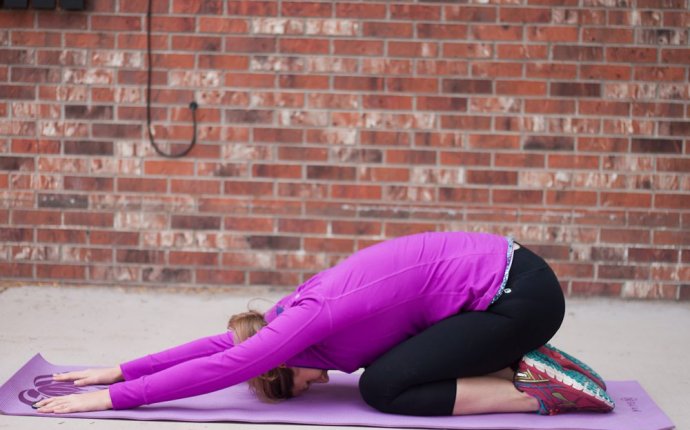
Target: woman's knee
<point x="376" y="390"/>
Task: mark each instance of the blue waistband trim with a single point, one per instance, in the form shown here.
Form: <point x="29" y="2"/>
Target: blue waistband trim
<point x="509" y="260"/>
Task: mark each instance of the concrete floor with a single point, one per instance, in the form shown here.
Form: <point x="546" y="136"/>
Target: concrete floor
<point x="647" y="341"/>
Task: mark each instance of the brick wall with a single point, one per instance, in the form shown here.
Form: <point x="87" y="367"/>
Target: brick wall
<point x="327" y="126"/>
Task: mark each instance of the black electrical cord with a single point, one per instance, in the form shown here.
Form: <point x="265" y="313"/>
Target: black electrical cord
<point x="192" y="106"/>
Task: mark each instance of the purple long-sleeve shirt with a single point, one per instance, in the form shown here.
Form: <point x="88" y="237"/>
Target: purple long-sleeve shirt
<point x="341" y="319"/>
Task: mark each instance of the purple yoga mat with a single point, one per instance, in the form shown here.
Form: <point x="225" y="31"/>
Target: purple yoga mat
<point x="337" y="403"/>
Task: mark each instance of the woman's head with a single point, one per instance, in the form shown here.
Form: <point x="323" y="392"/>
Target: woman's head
<point x="276" y="384"/>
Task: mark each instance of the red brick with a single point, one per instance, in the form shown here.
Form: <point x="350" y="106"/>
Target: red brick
<point x="631" y="55"/>
<point x="16" y="270"/>
<point x="625" y="236"/>
<point x="549" y="106"/>
<point x="287" y="171"/>
<point x="358" y="228"/>
<point x="307" y="226"/>
<point x="355" y="83"/>
<point x="356" y="192"/>
<point x="197" y="43"/>
<point x="257" y="8"/>
<point x="168" y="168"/>
<point x="63" y="271"/>
<point x="416" y="85"/>
<point x="341" y="246"/>
<point x="549" y="143"/>
<point x="90" y="40"/>
<point x="41" y="39"/>
<point x="491" y="177"/>
<point x="524" y="15"/>
<point x="626" y="199"/>
<point x="332" y="173"/>
<point x="434" y="103"/>
<point x="302" y="154"/>
<point x="552" y="70"/>
<point x="307" y="9"/>
<point x="623" y="272"/>
<point x="188" y="258"/>
<point x="578" y="53"/>
<point x="61" y="236"/>
<point x="253" y="188"/>
<point x="672" y="201"/>
<point x="189" y="186"/>
<point x="467" y="50"/>
<point x="574" y="161"/>
<point x="657" y="146"/>
<point x="116" y="23"/>
<point x="607" y="289"/>
<point x="403" y="229"/>
<point x="525" y="88"/>
<point x="387" y="29"/>
<point x="222" y="25"/>
<point x="496" y="70"/>
<point x="607" y="72"/>
<point x="575" y="89"/>
<point x="360" y="10"/>
<point x="602" y="144"/>
<point x="571" y="198"/>
<point x="387" y="102"/>
<point x="358" y="47"/>
<point x="274" y="278"/>
<point x="657" y="110"/>
<point x="191" y="222"/>
<point x="608" y="35"/>
<point x="441" y="31"/>
<point x="206" y="7"/>
<point x="167" y="275"/>
<point x="304" y="46"/>
<point x="415" y="12"/>
<point x="518" y="197"/>
<point x="85" y="183"/>
<point x="552" y="33"/>
<point x="513" y="52"/>
<point x="519" y="160"/>
<point x="675" y="56"/>
<point x="496" y="32"/>
<point x="466" y="122"/>
<point x="142" y="185"/>
<point x="90" y="219"/>
<point x="383" y="174"/>
<point x="647" y="255"/>
<point x="218" y="276"/>
<point x="470" y="86"/>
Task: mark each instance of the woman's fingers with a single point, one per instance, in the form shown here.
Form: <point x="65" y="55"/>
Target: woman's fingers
<point x="93" y="401"/>
<point x="56" y="405"/>
<point x="68" y="376"/>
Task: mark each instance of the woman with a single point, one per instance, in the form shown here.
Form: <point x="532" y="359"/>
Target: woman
<point x="443" y="323"/>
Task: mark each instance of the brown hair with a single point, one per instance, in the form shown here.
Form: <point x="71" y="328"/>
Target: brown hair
<point x="274" y="385"/>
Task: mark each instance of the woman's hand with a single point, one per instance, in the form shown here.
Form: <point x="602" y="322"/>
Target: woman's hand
<point x="81" y="378"/>
<point x="87" y="402"/>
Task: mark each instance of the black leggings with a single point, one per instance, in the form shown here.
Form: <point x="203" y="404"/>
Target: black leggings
<point x="418" y="376"/>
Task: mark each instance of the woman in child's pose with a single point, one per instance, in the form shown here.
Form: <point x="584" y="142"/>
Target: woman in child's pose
<point x="442" y="323"/>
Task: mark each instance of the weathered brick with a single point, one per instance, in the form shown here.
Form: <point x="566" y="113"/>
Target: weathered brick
<point x="195" y="222"/>
<point x="74" y="201"/>
<point x="274" y="242"/>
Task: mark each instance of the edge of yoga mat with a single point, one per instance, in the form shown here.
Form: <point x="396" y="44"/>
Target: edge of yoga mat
<point x="337" y="403"/>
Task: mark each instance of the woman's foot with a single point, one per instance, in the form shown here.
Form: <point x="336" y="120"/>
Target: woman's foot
<point x="569" y="362"/>
<point x="558" y="389"/>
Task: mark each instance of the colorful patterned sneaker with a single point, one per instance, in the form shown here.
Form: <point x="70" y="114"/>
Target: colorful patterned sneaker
<point x="559" y="390"/>
<point x="567" y="361"/>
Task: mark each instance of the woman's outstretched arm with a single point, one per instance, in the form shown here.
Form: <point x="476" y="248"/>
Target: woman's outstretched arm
<point x="162" y="360"/>
<point x="293" y="331"/>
